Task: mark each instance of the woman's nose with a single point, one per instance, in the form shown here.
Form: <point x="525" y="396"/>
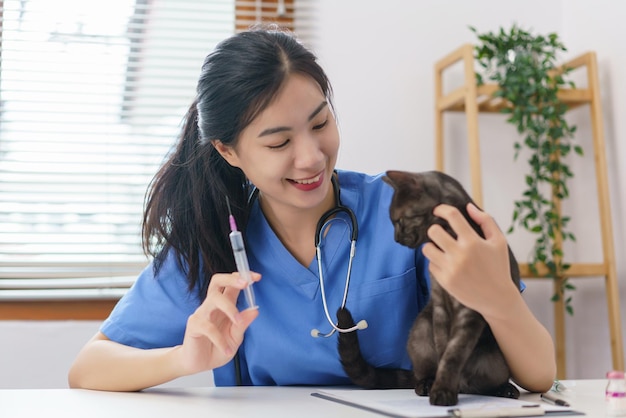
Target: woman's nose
<point x="308" y="152"/>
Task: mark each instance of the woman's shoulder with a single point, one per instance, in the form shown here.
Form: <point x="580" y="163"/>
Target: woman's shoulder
<point x="364" y="193"/>
<point x="354" y="180"/>
<point x="166" y="274"/>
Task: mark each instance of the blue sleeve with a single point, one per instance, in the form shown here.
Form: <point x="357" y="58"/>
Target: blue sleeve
<point x="154" y="312"/>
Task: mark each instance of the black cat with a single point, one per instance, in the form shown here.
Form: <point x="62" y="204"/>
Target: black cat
<point x="451" y="347"/>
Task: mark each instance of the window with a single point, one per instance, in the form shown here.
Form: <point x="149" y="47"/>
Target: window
<point x="92" y="95"/>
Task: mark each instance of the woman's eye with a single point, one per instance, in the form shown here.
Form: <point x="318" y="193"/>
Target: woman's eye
<point x="321" y="125"/>
<point x="281" y="145"/>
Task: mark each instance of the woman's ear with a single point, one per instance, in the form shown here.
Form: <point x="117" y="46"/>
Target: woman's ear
<point x="227" y="152"/>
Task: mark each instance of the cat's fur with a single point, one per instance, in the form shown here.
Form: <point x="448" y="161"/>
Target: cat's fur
<point x="451" y="347"/>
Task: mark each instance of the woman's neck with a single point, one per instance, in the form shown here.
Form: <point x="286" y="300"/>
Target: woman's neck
<point x="296" y="227"/>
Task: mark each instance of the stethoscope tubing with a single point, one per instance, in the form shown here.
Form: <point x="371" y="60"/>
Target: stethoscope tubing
<point x="324" y="221"/>
<point x="322" y="224"/>
<point x="335" y="327"/>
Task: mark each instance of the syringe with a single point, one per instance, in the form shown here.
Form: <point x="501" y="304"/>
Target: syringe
<point x="241" y="259"/>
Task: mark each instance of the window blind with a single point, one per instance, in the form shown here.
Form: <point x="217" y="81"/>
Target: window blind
<point x="92" y="96"/>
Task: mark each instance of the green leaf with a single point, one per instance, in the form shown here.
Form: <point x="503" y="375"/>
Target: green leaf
<point x="530" y="85"/>
<point x="529" y="180"/>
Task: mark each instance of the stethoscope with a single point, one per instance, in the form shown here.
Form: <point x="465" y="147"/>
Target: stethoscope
<point x="325" y="220"/>
<point x="322" y="224"/>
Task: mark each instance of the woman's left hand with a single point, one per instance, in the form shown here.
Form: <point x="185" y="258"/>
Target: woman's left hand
<point x="475" y="270"/>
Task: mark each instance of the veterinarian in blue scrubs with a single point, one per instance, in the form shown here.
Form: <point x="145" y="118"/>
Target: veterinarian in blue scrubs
<point x="263" y="120"/>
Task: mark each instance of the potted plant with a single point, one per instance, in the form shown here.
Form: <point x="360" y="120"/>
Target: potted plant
<point x="523" y="65"/>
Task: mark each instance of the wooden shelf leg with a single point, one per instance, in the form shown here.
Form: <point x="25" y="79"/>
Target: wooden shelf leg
<point x="439" y="147"/>
<point x="559" y="305"/>
<point x="559" y="332"/>
<point x="471" y="112"/>
<point x="604" y="206"/>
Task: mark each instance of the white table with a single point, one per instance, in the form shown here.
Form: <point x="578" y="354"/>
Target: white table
<point x="294" y="402"/>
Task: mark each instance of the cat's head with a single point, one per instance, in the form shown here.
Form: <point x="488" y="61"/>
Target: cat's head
<point x="415" y="197"/>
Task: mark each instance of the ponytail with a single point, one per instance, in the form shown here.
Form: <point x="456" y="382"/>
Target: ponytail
<point x="186" y="211"/>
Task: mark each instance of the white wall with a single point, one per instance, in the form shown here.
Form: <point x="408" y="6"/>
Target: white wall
<point x="381" y="65"/>
<point x="380" y="57"/>
<point x="37" y="354"/>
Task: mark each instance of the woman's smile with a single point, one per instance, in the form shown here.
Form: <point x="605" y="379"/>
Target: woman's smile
<point x="311" y="183"/>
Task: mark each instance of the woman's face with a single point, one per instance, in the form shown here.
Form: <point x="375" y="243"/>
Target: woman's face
<point x="290" y="149"/>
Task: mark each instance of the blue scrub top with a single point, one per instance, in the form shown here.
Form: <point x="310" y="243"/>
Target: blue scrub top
<point x="389" y="285"/>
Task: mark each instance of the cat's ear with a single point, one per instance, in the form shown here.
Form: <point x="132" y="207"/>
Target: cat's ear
<point x="398" y="179"/>
<point x="389" y="179"/>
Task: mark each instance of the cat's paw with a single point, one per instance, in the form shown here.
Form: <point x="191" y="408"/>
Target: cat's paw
<point x="344" y="318"/>
<point x="422" y="388"/>
<point x="507" y="390"/>
<point x="443" y="397"/>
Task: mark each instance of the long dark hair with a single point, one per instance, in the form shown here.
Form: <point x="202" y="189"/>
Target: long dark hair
<point x="185" y="208"/>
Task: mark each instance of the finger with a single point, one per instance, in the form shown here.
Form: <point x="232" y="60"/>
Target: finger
<point x="432" y="253"/>
<point x="233" y="291"/>
<point x="226" y="330"/>
<point x="484" y="220"/>
<point x="202" y="326"/>
<point x="228" y="337"/>
<point x="222" y="281"/>
<point x="225" y="304"/>
<point x="240" y="282"/>
<point x="237" y="330"/>
<point x="435" y="259"/>
<point x="219" y="282"/>
<point x="455" y="219"/>
<point x="440" y="237"/>
<point x="245" y="319"/>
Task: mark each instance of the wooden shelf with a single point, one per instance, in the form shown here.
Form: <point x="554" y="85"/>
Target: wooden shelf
<point x="455" y="101"/>
<point x="472" y="99"/>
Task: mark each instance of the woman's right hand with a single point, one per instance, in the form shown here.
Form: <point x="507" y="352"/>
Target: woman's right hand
<point x="213" y="334"/>
<point x="215" y="330"/>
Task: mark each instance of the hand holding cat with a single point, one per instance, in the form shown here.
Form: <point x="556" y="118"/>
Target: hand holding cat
<point x="215" y="330"/>
<point x="473" y="269"/>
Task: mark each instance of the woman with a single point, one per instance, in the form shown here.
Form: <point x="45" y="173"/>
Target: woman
<point x="262" y="134"/>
